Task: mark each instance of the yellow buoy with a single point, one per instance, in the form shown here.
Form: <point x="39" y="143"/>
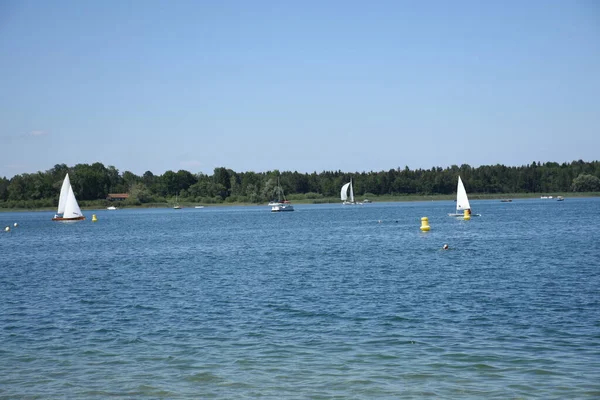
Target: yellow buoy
<point x="467" y="215"/>
<point x="425" y="224"/>
<point x="94" y="218"/>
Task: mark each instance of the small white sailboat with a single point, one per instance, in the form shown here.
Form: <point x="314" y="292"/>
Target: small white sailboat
<point x="176" y="206"/>
<point x="68" y="209"/>
<point x="462" y="201"/>
<point x="347" y="194"/>
<point x="281" y="204"/>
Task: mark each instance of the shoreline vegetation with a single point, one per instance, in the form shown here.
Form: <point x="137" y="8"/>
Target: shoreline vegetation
<point x="103" y="204"/>
<point x="97" y="187"/>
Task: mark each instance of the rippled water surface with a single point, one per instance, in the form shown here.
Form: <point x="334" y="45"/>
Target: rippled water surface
<point x="330" y="301"/>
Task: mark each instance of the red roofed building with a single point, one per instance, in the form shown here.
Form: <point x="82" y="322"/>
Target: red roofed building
<point x="117" y="196"/>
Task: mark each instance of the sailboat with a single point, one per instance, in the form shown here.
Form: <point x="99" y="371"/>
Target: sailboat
<point x="176" y="206"/>
<point x="348" y="198"/>
<point x="462" y="201"/>
<point x="68" y="209"/>
<point x="281" y="204"/>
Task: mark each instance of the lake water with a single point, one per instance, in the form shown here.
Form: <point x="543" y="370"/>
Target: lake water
<point x="329" y="301"/>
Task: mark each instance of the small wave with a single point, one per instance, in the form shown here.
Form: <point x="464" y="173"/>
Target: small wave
<point x="206" y="377"/>
<point x="539" y="371"/>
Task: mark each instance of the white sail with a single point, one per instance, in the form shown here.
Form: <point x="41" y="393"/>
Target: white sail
<point x="72" y="209"/>
<point x="64" y="191"/>
<point x="462" y="201"/>
<point x="351" y="192"/>
<point x="344" y="192"/>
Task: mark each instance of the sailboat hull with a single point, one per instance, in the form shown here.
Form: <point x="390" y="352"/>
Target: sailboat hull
<point x="282" y="208"/>
<point x="463" y="214"/>
<point x="68" y="219"/>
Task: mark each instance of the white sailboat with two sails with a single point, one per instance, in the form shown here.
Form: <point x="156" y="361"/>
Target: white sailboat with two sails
<point x="68" y="209"/>
<point x="347" y="194"/>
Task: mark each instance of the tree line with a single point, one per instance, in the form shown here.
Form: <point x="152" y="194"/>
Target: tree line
<point x="94" y="182"/>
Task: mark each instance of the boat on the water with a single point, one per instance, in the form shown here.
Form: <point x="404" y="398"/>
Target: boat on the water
<point x="177" y="206"/>
<point x="347" y="194"/>
<point x="281" y="204"/>
<point x="68" y="209"/>
<point x="462" y="201"/>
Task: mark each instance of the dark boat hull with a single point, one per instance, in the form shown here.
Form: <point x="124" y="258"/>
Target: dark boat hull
<point x="68" y="219"/>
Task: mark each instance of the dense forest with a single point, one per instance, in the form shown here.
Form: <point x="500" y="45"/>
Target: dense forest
<point x="92" y="183"/>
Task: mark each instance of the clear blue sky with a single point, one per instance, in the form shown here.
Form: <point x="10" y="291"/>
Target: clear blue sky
<point x="297" y="85"/>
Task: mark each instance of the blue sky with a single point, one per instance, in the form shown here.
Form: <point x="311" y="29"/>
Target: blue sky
<point x="306" y="86"/>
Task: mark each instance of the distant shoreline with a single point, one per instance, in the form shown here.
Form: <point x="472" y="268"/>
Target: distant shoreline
<point x="378" y="199"/>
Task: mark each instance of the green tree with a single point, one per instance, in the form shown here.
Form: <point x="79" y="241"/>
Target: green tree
<point x="90" y="182"/>
<point x="185" y="179"/>
<point x="17" y="188"/>
<point x="4" y="188"/>
<point x="586" y="183"/>
<point x="222" y="177"/>
<point x="129" y="180"/>
<point x="199" y="189"/>
<point x="140" y="193"/>
<point x="168" y="185"/>
<point x="115" y="182"/>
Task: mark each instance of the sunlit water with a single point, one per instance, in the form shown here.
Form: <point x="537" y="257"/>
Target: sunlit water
<point x="330" y="301"/>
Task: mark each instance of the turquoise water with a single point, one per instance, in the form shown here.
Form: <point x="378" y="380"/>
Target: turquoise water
<point x="326" y="302"/>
